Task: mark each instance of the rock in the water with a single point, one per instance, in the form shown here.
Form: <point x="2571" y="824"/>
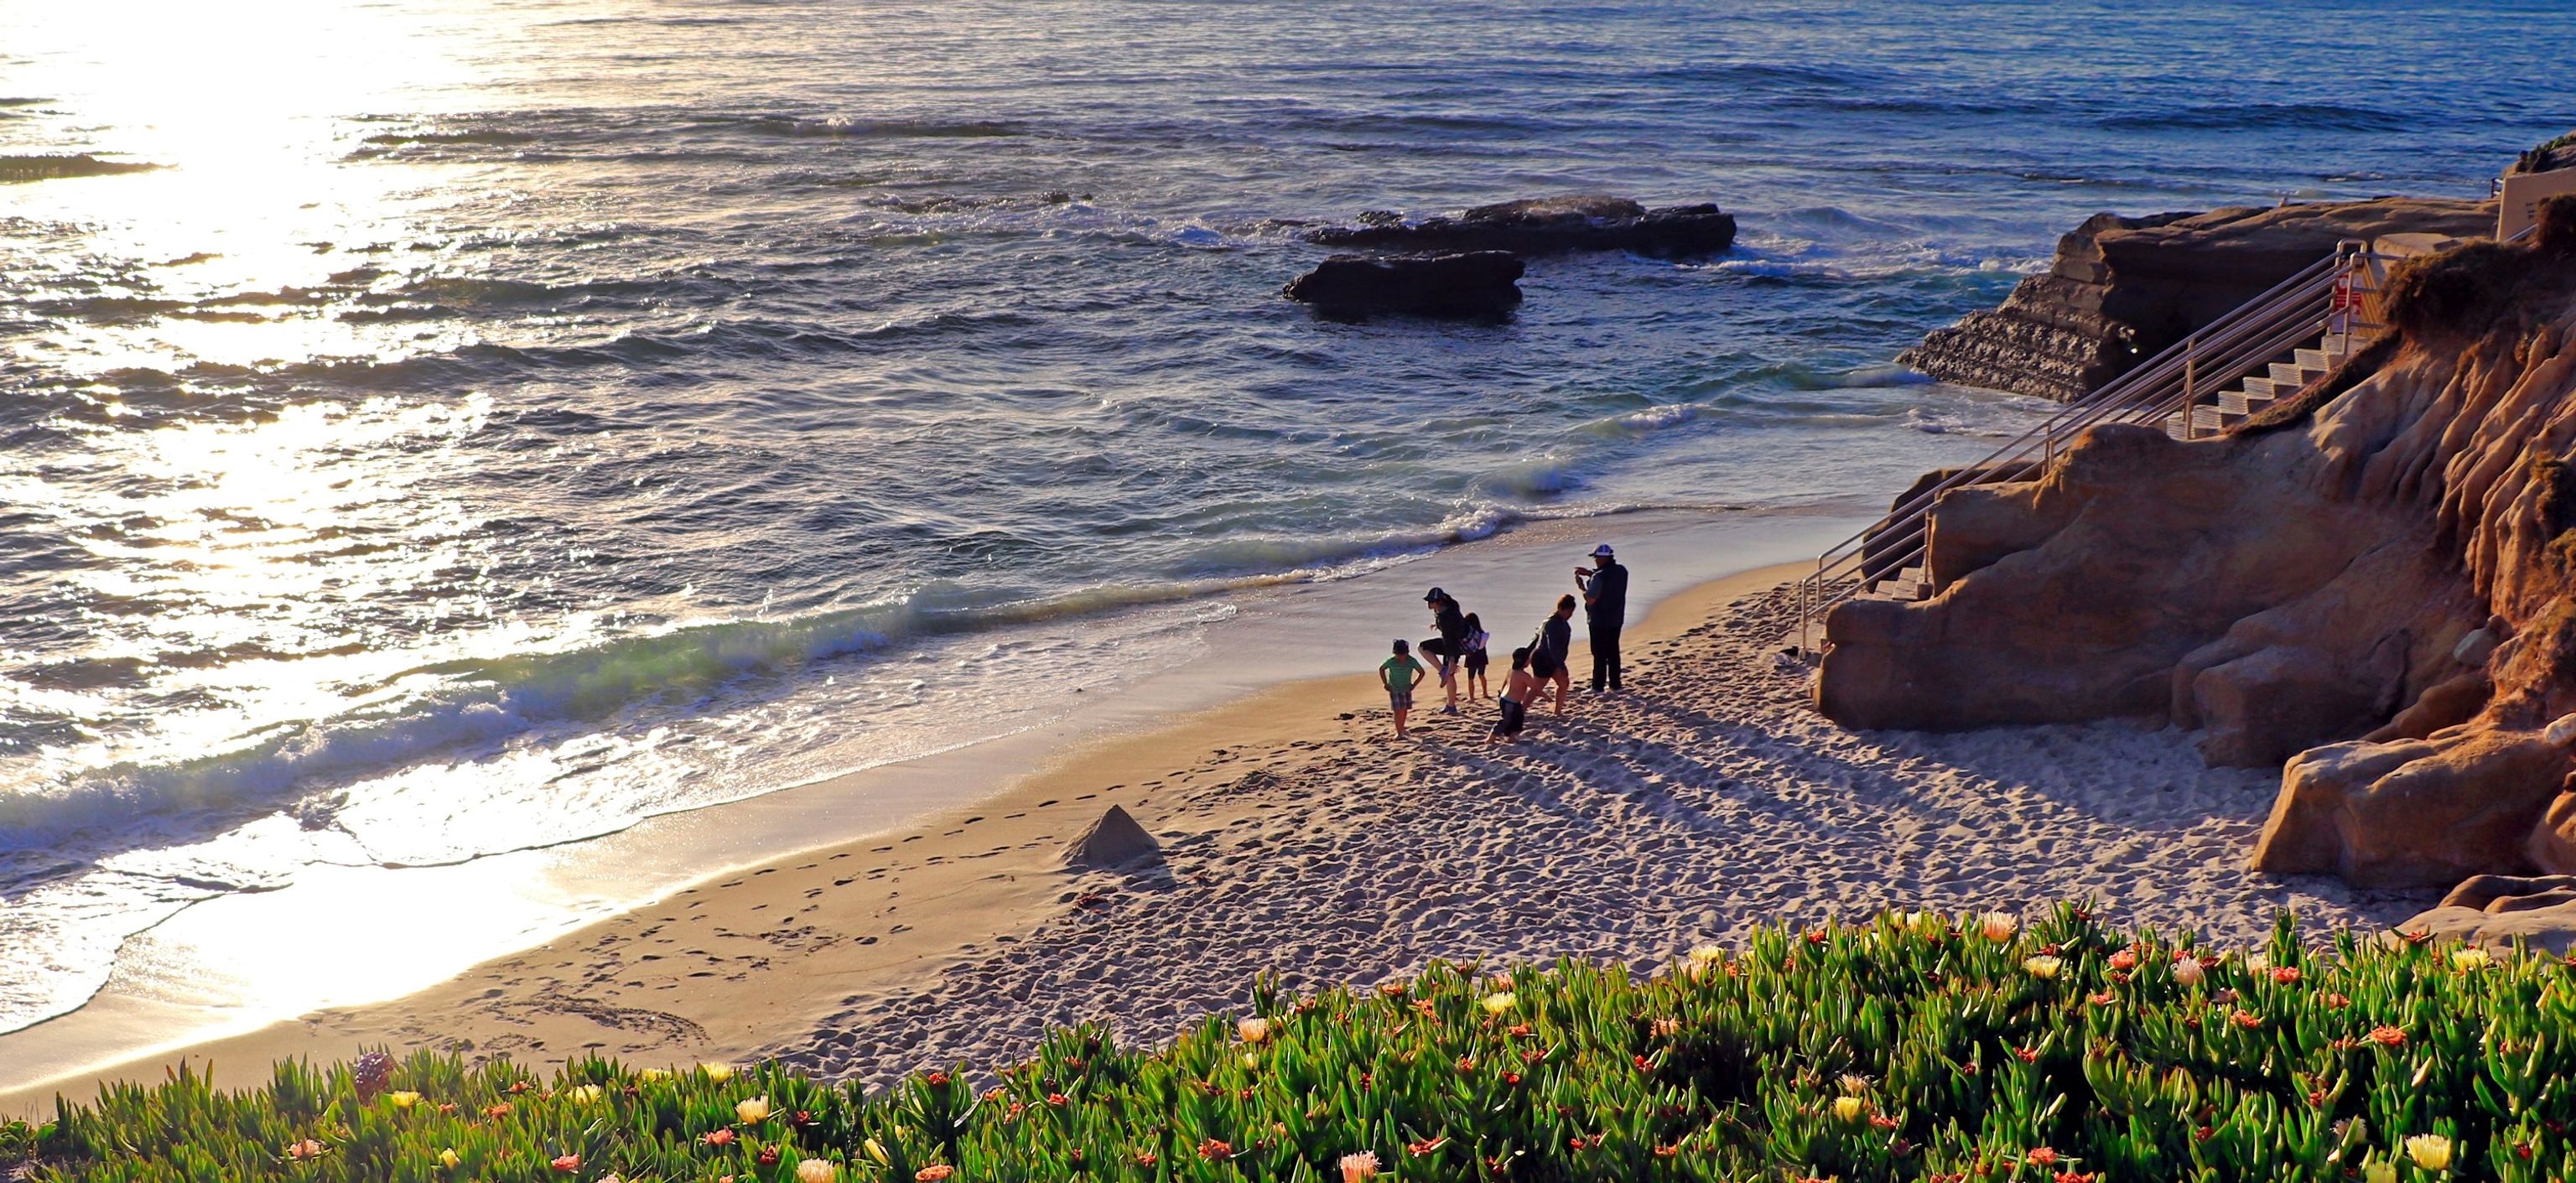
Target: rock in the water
<point x="1113" y="841"/>
<point x="2121" y="289"/>
<point x="1475" y="284"/>
<point x="2498" y="910"/>
<point x="1549" y="225"/>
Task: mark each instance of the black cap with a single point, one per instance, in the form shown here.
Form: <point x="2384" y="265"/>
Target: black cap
<point x="1434" y="596"/>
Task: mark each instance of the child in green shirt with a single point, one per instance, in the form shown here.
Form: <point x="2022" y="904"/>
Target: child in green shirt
<point x="1400" y="674"/>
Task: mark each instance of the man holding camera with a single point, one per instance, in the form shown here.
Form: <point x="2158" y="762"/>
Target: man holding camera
<point x="1605" y="607"/>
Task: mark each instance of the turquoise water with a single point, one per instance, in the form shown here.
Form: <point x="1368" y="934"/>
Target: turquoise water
<point x="494" y="424"/>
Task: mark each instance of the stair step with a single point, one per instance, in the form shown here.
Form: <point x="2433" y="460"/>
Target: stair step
<point x="2241" y="402"/>
<point x="2320" y="360"/>
<point x="2294" y="373"/>
<point x="2270" y="388"/>
<point x="2206" y="420"/>
<point x="2178" y="425"/>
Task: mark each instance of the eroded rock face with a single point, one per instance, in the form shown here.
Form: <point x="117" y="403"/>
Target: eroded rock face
<point x="2379" y="587"/>
<point x="2122" y="289"/>
<point x="1550" y="225"/>
<point x="1472" y="285"/>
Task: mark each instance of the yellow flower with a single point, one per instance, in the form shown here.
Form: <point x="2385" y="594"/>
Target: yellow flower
<point x="1854" y="1084"/>
<point x="654" y="1074"/>
<point x="1998" y="926"/>
<point x="2042" y="967"/>
<point x="1500" y="1001"/>
<point x="815" y="1170"/>
<point x="2470" y="958"/>
<point x="1253" y="1030"/>
<point x="717" y="1072"/>
<point x="447" y="1158"/>
<point x="877" y="1151"/>
<point x="583" y="1093"/>
<point x="2379" y="1171"/>
<point x="402" y="1100"/>
<point x="753" y="1111"/>
<point x="1850" y="1108"/>
<point x="2256" y="963"/>
<point x="1251" y="1060"/>
<point x="2430" y="1151"/>
<point x="1707" y="954"/>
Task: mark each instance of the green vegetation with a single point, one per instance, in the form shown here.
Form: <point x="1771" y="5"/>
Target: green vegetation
<point x="1911" y="1048"/>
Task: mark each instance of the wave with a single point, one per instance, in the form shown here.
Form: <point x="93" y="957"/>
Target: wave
<point x="846" y="127"/>
<point x="48" y="168"/>
<point x="2262" y="117"/>
<point x="495" y="137"/>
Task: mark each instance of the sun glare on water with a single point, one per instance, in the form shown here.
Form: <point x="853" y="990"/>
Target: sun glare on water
<point x="250" y="112"/>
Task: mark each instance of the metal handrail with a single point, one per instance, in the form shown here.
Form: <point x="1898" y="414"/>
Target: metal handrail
<point x="2210" y="359"/>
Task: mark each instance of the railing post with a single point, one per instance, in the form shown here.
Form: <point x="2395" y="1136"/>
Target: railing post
<point x="2190" y="377"/>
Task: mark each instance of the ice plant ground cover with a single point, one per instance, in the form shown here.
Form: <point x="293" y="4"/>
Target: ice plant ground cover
<point x="1910" y="1047"/>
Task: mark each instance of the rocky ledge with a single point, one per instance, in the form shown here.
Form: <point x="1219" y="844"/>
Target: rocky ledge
<point x="2375" y="582"/>
<point x="1475" y="284"/>
<point x="2122" y="289"/>
<point x="1547" y="226"/>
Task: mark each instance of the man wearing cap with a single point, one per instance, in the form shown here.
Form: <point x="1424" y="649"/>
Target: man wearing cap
<point x="1450" y="645"/>
<point x="1605" y="608"/>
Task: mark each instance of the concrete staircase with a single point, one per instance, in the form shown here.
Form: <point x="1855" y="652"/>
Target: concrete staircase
<point x="2268" y="349"/>
<point x="2280" y="380"/>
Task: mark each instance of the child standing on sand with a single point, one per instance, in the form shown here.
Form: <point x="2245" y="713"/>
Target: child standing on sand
<point x="1477" y="686"/>
<point x="1400" y="668"/>
<point x="1516" y="696"/>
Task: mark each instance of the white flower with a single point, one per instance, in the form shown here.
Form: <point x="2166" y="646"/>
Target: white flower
<point x="1998" y="926"/>
<point x="1358" y="1168"/>
<point x="1253" y="1030"/>
<point x="815" y="1170"/>
<point x="2430" y="1151"/>
<point x="753" y="1111"/>
<point x="2186" y="970"/>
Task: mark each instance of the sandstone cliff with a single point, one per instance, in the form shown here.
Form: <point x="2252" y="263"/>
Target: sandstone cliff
<point x="2376" y="583"/>
<point x="2123" y="288"/>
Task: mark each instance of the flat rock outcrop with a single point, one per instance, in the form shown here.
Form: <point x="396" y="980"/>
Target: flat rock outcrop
<point x="2375" y="582"/>
<point x="2122" y="289"/>
<point x="1547" y="226"/>
<point x="1473" y="284"/>
<point x="2500" y="911"/>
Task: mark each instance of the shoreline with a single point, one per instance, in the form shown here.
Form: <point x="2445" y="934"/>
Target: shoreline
<point x="924" y="794"/>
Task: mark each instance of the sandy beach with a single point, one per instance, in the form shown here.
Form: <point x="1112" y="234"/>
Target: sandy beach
<point x="1298" y="839"/>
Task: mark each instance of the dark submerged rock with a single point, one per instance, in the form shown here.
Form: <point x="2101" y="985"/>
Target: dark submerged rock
<point x="1474" y="284"/>
<point x="1546" y="226"/>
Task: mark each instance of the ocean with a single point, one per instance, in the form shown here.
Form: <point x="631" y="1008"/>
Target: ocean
<point x="488" y="425"/>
